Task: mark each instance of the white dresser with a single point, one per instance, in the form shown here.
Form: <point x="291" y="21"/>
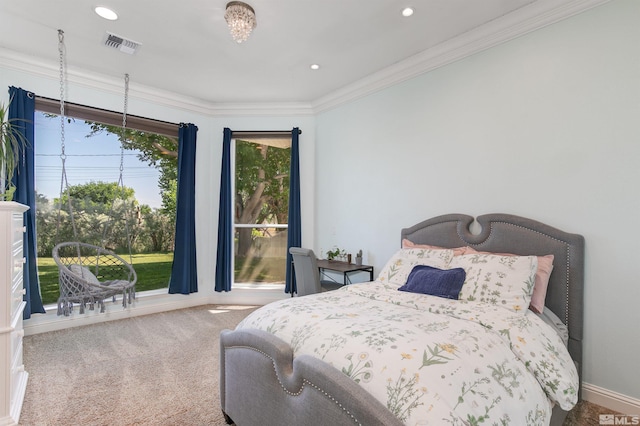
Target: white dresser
<point x="13" y="378"/>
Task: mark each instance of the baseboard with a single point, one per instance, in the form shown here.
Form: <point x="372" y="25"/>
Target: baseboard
<point x="606" y="398"/>
<point x="151" y="302"/>
<point x="143" y="305"/>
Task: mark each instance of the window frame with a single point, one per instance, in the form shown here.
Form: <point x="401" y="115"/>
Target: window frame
<point x="273" y="138"/>
<point x="113" y="118"/>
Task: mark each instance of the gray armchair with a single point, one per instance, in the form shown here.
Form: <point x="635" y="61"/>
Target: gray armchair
<point x="305" y="265"/>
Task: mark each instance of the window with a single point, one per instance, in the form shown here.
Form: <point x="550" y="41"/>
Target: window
<point x="261" y="206"/>
<point x="93" y="155"/>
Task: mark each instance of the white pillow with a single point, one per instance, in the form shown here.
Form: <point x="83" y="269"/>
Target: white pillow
<point x="85" y="273"/>
<point x="399" y="266"/>
<point x="505" y="281"/>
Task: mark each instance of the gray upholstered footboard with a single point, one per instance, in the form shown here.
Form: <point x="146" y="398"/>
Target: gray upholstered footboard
<point x="261" y="384"/>
<point x="558" y="415"/>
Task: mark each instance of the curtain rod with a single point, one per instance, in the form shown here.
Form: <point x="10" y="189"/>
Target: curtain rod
<point x="256" y="133"/>
<point x="105" y="116"/>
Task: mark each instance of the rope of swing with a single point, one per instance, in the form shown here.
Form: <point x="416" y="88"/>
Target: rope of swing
<point x="63" y="157"/>
<point x="64" y="183"/>
<point x="120" y="183"/>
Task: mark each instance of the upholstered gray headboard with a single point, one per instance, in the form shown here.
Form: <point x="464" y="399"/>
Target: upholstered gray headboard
<point x="504" y="233"/>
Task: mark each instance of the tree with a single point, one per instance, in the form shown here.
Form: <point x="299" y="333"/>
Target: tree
<point x="46" y="219"/>
<point x="262" y="188"/>
<point x="103" y="215"/>
<point x="159" y="232"/>
<point x="97" y="204"/>
<point x="156" y="150"/>
<point x="98" y="192"/>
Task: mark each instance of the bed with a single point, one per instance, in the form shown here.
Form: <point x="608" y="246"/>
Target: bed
<point x="320" y="359"/>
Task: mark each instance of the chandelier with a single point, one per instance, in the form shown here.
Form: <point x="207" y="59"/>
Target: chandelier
<point x="241" y="20"/>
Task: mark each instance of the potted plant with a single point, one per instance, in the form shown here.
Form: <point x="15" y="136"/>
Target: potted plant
<point x="359" y="258"/>
<point x="12" y="143"/>
<point x="335" y="253"/>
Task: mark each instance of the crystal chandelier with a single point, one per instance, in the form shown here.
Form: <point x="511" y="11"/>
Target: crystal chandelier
<point x="241" y="19"/>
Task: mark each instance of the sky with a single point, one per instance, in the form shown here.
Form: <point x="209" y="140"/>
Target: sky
<point x="88" y="159"/>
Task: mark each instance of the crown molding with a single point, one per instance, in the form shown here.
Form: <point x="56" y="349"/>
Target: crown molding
<point x="49" y="70"/>
<point x="89" y="79"/>
<point x="535" y="15"/>
<point x="263" y="109"/>
<point x="531" y="17"/>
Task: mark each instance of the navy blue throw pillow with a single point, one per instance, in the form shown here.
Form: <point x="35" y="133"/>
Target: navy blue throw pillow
<point x="435" y="282"/>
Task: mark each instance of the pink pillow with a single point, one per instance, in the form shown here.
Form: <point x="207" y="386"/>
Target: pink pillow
<point x="410" y="244"/>
<point x="545" y="266"/>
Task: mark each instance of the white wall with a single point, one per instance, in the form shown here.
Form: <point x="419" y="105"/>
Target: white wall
<point x="544" y="126"/>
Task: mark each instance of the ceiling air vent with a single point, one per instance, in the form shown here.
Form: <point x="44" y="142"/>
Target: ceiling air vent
<point x="121" y="43"/>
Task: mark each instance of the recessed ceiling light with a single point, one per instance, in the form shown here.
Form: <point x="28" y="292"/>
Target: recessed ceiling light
<point x="315" y="67"/>
<point x="407" y="11"/>
<point x="106" y="13"/>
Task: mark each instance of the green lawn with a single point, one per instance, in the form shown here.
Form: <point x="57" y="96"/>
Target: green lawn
<point x="153" y="270"/>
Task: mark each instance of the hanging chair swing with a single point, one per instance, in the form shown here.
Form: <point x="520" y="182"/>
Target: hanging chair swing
<point x="90" y="274"/>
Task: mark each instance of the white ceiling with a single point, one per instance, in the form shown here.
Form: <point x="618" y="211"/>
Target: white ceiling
<point x="186" y="47"/>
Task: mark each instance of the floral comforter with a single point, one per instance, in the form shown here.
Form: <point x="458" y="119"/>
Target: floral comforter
<point x="430" y="360"/>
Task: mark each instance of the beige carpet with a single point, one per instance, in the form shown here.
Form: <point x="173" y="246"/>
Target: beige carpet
<point x="159" y="369"/>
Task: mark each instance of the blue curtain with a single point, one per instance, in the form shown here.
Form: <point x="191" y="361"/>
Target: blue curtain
<point x="225" y="237"/>
<point x="294" y="232"/>
<point x="22" y="108"/>
<point x="184" y="272"/>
